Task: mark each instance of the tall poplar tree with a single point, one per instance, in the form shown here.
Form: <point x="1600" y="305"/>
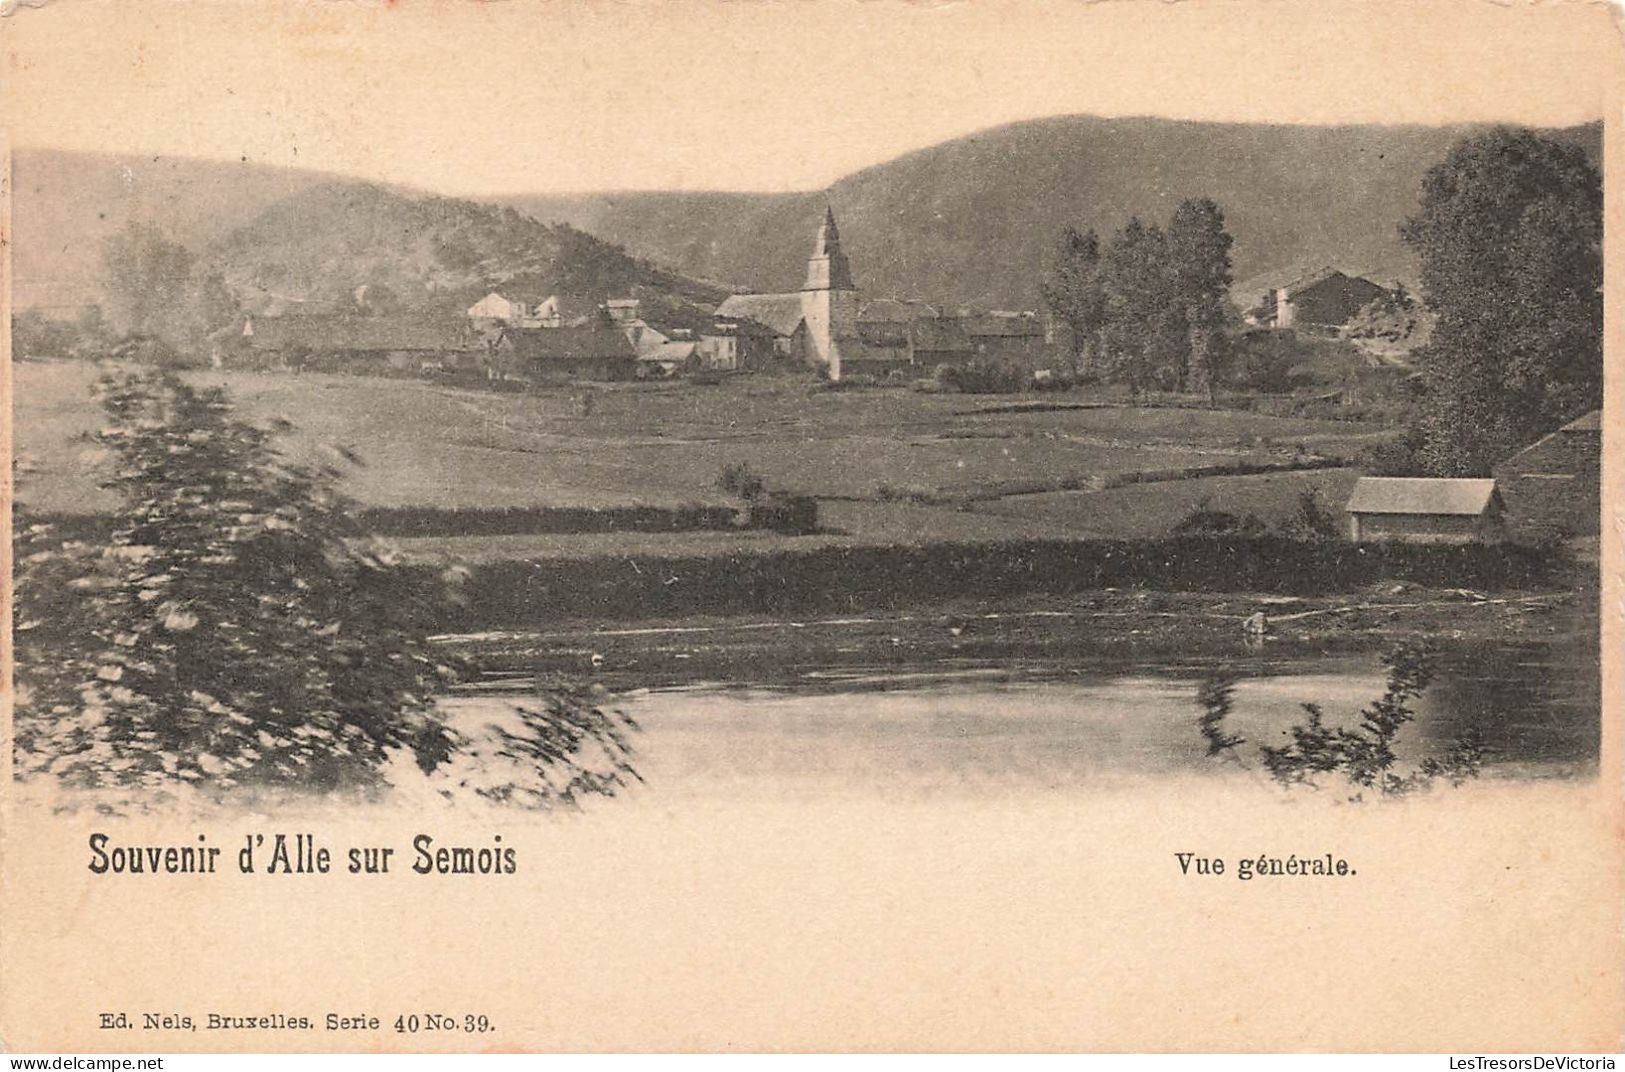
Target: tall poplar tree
<point x="1509" y="233"/>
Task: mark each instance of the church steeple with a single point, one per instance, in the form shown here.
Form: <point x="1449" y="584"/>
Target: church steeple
<point x="828" y="268"/>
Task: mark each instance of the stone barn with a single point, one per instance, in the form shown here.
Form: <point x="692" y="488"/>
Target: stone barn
<point x="551" y="355"/>
<point x="1424" y="510"/>
<point x="1323" y="300"/>
<point x="1553" y="487"/>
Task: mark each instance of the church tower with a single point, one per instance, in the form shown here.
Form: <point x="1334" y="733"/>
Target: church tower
<point x="829" y="299"/>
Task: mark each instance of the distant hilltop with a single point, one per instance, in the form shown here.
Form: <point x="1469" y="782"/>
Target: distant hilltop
<point x="971" y="221"/>
<point x="974" y="220"/>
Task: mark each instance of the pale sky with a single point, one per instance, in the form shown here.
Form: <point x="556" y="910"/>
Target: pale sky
<point x="531" y="96"/>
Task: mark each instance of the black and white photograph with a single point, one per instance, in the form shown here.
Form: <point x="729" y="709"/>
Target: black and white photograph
<point x="761" y="490"/>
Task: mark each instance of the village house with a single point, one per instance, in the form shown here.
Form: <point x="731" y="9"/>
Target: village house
<point x="1006" y="338"/>
<point x="520" y="308"/>
<point x="1554" y="486"/>
<point x="827" y="327"/>
<point x="814" y="325"/>
<point x="363" y="343"/>
<point x="1322" y="300"/>
<point x="734" y="345"/>
<point x="568" y="353"/>
<point x="780" y="314"/>
<point x="1425" y="510"/>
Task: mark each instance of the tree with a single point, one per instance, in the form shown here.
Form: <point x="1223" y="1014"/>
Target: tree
<point x="1509" y="234"/>
<point x="238" y="629"/>
<point x="1075" y="292"/>
<point x="1199" y="261"/>
<point x="148" y="278"/>
<point x="1144" y="337"/>
<point x="158" y="289"/>
<point x="1363" y="755"/>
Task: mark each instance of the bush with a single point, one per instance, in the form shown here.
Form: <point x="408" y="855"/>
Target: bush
<point x="514" y="594"/>
<point x="1203" y="520"/>
<point x="1399" y="456"/>
<point x="236" y="630"/>
<point x="1313" y="520"/>
<point x="983" y="378"/>
<point x="737" y="478"/>
<point x="1364" y="756"/>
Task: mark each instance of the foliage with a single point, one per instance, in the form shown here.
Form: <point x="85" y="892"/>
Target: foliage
<point x="158" y="290"/>
<point x="1075" y="292"/>
<point x="1199" y="259"/>
<point x="1314" y="520"/>
<point x="35" y="335"/>
<point x="1204" y="520"/>
<point x="1216" y="697"/>
<point x="738" y="478"/>
<point x="1509" y="234"/>
<point x="1266" y="361"/>
<point x="984" y="378"/>
<point x="1364" y="756"/>
<point x="1397" y="456"/>
<point x="1393" y="317"/>
<point x="1151" y="309"/>
<point x="1144" y="335"/>
<point x="237" y="630"/>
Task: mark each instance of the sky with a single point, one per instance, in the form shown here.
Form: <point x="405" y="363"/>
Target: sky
<point x="537" y="96"/>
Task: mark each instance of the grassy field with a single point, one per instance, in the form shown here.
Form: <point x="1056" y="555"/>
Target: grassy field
<point x="1152" y="509"/>
<point x="664" y="444"/>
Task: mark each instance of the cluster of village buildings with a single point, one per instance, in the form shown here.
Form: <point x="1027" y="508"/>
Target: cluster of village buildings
<point x="827" y="327"/>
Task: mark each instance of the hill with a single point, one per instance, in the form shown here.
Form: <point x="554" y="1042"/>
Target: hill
<point x="973" y="220"/>
<point x="295" y="233"/>
<point x="430" y="252"/>
<point x="65" y="204"/>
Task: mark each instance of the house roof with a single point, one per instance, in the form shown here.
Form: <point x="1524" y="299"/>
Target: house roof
<point x="855" y="348"/>
<point x="941" y="335"/>
<point x="674" y="353"/>
<point x="1591" y="422"/>
<point x="1421" y="495"/>
<point x="887" y="333"/>
<point x="740" y="326"/>
<point x="569" y="344"/>
<point x="1294" y="279"/>
<point x="360" y="333"/>
<point x="985" y="324"/>
<point x="780" y="312"/>
<point x="894" y="310"/>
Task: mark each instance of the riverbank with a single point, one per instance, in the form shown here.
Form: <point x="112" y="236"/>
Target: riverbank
<point x="1036" y="634"/>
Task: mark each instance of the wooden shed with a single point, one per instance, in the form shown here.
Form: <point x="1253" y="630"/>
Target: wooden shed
<point x="1553" y="487"/>
<point x="1424" y="510"/>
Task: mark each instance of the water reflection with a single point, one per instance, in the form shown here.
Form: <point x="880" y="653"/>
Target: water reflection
<point x="989" y="730"/>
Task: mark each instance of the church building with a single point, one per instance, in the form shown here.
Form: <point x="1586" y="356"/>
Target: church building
<point x="818" y="324"/>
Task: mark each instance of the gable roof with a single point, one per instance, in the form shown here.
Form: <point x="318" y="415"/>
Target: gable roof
<point x="894" y="310"/>
<point x="940" y="336"/>
<point x="780" y="312"/>
<point x="381" y="334"/>
<point x="669" y="353"/>
<point x="1293" y="279"/>
<point x="569" y="344"/>
<point x="1422" y="495"/>
<point x="988" y="324"/>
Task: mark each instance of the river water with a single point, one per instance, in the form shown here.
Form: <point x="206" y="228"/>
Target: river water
<point x="974" y="731"/>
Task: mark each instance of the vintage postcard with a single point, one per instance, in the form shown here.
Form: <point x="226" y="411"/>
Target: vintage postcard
<point x="831" y="526"/>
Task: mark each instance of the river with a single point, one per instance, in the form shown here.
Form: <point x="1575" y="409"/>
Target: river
<point x="979" y="730"/>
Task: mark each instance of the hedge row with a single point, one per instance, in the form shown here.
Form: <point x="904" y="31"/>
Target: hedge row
<point x="409" y="521"/>
<point x="519" y="594"/>
<point x="405" y="521"/>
